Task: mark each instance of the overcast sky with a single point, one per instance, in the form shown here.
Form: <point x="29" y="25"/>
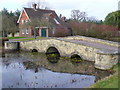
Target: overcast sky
<point x="96" y="8"/>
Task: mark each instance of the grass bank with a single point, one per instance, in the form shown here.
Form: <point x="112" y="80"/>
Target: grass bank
<point x="23" y="38"/>
<point x="15" y="37"/>
<point x="29" y="39"/>
<point x="115" y="39"/>
<point x="110" y="81"/>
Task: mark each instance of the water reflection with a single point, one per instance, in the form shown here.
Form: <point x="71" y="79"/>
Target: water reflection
<point x="31" y="65"/>
<point x="30" y="70"/>
<point x="53" y="57"/>
<point x="76" y="59"/>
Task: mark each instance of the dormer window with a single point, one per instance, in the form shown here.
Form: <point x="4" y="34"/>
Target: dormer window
<point x="56" y="21"/>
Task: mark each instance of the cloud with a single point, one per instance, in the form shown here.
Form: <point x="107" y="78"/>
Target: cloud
<point x="11" y="4"/>
<point x="119" y="5"/>
<point x="97" y="8"/>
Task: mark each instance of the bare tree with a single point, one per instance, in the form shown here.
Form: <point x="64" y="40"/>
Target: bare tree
<point x="8" y="25"/>
<point x="78" y="16"/>
<point x="41" y="4"/>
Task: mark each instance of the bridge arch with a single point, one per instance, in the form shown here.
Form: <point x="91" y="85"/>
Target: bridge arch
<point x="76" y="56"/>
<point x="53" y="49"/>
<point x="34" y="50"/>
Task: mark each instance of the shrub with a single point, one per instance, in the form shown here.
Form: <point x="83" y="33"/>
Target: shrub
<point x="94" y="30"/>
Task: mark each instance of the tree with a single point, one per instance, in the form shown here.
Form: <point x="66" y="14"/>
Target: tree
<point x="4" y="23"/>
<point x="0" y="24"/>
<point x="93" y="20"/>
<point x="78" y="16"/>
<point x="17" y="14"/>
<point x="4" y="12"/>
<point x="8" y="23"/>
<point x="113" y="19"/>
<point x="41" y="4"/>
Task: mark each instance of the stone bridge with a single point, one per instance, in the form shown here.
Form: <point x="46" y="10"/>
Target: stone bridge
<point x="103" y="53"/>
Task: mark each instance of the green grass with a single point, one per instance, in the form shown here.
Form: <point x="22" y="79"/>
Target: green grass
<point x="25" y="39"/>
<point x="29" y="39"/>
<point x="109" y="82"/>
<point x="15" y="37"/>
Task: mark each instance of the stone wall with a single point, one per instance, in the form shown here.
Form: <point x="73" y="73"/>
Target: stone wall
<point x="11" y="45"/>
<point x="105" y="61"/>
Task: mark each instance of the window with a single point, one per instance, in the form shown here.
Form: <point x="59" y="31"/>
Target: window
<point x="22" y="31"/>
<point x="53" y="31"/>
<point x="27" y="32"/>
<point x="56" y="21"/>
<point x="26" y="21"/>
<point x="46" y="18"/>
<point x="23" y="21"/>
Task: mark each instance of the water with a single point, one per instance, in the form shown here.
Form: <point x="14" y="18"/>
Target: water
<point x="33" y="70"/>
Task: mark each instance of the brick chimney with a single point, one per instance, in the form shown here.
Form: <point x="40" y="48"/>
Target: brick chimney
<point x="34" y="6"/>
<point x="60" y="16"/>
<point x="63" y="18"/>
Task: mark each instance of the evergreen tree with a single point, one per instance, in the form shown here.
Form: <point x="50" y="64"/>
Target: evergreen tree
<point x="113" y="19"/>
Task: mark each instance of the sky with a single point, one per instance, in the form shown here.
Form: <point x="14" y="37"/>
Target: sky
<point x="94" y="8"/>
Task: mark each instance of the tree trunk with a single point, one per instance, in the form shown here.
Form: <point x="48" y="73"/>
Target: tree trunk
<point x="34" y="33"/>
<point x="3" y="33"/>
<point x="13" y="34"/>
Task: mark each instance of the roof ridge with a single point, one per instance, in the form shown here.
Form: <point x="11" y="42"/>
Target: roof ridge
<point x="39" y="9"/>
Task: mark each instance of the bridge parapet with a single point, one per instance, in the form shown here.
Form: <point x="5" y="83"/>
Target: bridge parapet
<point x="94" y="40"/>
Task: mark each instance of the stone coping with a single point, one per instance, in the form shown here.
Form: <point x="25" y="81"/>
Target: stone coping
<point x="100" y="50"/>
<point x="104" y="52"/>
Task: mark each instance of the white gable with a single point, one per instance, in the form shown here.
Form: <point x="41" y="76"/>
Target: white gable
<point x="21" y="15"/>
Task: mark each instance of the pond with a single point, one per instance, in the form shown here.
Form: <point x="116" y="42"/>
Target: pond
<point x="22" y="69"/>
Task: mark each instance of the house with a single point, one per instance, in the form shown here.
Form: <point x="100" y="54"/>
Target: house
<point x="58" y="27"/>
